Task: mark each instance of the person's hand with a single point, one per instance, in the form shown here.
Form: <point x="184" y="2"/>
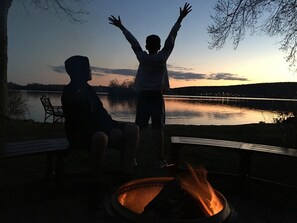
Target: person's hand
<point x="115" y="21"/>
<point x="183" y="12"/>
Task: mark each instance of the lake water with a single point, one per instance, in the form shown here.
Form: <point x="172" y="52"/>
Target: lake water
<point x="188" y="110"/>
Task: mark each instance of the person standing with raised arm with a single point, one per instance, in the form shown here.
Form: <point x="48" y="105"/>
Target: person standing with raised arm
<point x="152" y="79"/>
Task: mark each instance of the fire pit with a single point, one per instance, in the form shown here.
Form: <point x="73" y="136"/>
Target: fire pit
<point x="130" y="200"/>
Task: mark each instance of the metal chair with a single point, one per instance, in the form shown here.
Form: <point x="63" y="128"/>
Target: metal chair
<point x="51" y="111"/>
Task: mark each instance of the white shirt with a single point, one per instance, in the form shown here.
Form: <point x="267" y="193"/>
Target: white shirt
<point x="152" y="71"/>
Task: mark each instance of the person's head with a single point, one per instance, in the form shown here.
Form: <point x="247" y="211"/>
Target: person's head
<point x="78" y="68"/>
<point x="153" y="43"/>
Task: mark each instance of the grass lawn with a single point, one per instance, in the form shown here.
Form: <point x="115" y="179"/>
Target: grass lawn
<point x="271" y="134"/>
<point x="280" y="168"/>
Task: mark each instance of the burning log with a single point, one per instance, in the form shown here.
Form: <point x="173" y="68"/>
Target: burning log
<point x="173" y="202"/>
<point x="186" y="197"/>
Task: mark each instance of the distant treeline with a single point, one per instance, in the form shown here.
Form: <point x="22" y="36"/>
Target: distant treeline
<point x="47" y="87"/>
<point x="268" y="90"/>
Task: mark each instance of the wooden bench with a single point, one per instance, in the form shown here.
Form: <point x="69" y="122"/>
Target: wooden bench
<point x="245" y="150"/>
<point x="53" y="148"/>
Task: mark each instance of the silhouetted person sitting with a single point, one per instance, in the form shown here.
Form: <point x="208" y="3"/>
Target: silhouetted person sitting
<point x="90" y="127"/>
<point x="152" y="79"/>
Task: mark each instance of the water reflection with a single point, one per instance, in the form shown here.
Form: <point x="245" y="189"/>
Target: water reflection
<point x="199" y="112"/>
<point x="183" y="110"/>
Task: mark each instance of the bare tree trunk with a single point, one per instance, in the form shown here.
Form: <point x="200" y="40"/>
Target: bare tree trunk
<point x="5" y="5"/>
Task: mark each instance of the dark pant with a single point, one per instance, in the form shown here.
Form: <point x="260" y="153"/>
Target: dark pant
<point x="150" y="105"/>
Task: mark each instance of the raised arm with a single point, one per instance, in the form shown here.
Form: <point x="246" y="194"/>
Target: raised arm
<point x="116" y="21"/>
<point x="169" y="42"/>
<point x="131" y="39"/>
<point x="183" y="12"/>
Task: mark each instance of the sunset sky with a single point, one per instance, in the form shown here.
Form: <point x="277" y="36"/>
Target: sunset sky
<point x="40" y="41"/>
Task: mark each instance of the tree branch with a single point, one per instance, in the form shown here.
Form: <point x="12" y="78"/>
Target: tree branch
<point x="73" y="9"/>
<point x="233" y="17"/>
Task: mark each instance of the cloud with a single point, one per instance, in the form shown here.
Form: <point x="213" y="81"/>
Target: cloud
<point x="183" y="73"/>
<point x="197" y="76"/>
<point x="226" y="76"/>
<point x="178" y="73"/>
<point x="105" y="71"/>
<point x="100" y="71"/>
<point x="58" y="69"/>
<point x="178" y="68"/>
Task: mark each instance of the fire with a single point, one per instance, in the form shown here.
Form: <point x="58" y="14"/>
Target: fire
<point x="137" y="194"/>
<point x="137" y="199"/>
<point x="197" y="185"/>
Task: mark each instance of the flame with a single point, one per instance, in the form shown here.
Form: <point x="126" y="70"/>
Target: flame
<point x="197" y="185"/>
<point x="136" y="200"/>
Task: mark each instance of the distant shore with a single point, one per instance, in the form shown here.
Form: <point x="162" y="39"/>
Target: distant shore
<point x="259" y="90"/>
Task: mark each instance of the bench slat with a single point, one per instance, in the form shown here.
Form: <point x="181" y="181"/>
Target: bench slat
<point x="275" y="150"/>
<point x="33" y="146"/>
<point x="206" y="142"/>
<point x="234" y="145"/>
